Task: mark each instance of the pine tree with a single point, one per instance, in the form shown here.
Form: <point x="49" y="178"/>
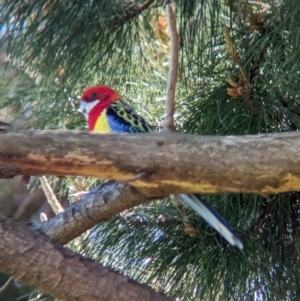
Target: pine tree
<point x="239" y="74"/>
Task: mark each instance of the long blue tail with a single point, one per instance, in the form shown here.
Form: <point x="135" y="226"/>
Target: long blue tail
<point x="212" y="217"/>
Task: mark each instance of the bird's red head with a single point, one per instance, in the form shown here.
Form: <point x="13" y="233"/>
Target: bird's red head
<point x="94" y="100"/>
<point x="103" y="94"/>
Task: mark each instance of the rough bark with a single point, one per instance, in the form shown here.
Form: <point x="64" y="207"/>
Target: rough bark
<point x="170" y="162"/>
<point x="33" y="259"/>
<point x="100" y="204"/>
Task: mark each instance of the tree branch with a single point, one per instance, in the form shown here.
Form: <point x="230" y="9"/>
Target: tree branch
<point x="33" y="259"/>
<point x="101" y="203"/>
<point x="173" y="70"/>
<point x="172" y="162"/>
<point x="135" y="11"/>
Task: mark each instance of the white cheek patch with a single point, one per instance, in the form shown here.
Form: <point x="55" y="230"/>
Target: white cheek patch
<point x="86" y="107"/>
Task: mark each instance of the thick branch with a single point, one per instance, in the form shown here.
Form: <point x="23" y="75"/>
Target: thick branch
<point x="100" y="204"/>
<point x="172" y="162"/>
<point x="33" y="259"/>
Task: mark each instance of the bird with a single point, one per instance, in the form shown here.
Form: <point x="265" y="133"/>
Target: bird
<point x="106" y="111"/>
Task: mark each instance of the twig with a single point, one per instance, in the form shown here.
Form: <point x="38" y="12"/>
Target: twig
<point x="187" y="223"/>
<point x="30" y="199"/>
<point x="6" y="284"/>
<point x="173" y="71"/>
<point x="52" y="200"/>
<point x="235" y="55"/>
<point x="134" y="178"/>
<point x="43" y="217"/>
<point x="3" y="124"/>
<point x="135" y="11"/>
<point x="242" y="88"/>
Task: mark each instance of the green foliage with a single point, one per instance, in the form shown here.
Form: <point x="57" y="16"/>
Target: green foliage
<point x="62" y="47"/>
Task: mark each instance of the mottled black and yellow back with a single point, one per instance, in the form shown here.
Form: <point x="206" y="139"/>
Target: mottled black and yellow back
<point x="122" y="119"/>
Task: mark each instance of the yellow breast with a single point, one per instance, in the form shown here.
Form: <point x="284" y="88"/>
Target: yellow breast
<point x="101" y="124"/>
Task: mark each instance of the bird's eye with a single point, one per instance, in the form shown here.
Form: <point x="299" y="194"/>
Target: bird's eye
<point x="93" y="96"/>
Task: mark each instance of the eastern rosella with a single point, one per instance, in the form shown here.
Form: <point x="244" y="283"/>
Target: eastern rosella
<point x="107" y="112"/>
